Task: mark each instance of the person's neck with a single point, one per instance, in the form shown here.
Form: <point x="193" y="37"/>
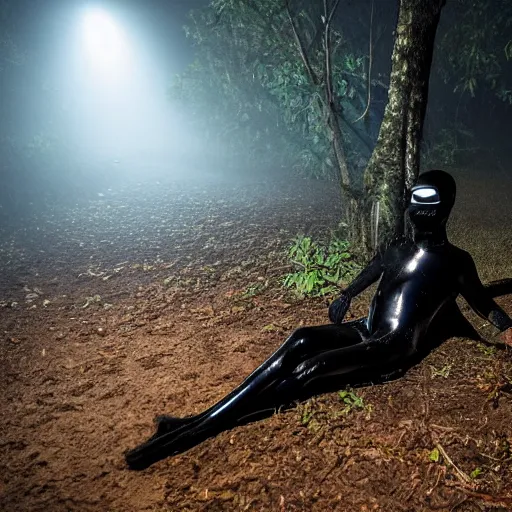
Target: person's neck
<point x="429" y="240"/>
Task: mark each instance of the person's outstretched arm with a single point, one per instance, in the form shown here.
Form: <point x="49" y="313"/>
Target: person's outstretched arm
<point x="369" y="275"/>
<point x="478" y="297"/>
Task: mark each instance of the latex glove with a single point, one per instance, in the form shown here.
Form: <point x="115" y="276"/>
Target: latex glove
<point x="338" y="309"/>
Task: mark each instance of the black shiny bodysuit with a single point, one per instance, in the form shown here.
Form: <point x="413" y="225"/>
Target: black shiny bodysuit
<point x="412" y="311"/>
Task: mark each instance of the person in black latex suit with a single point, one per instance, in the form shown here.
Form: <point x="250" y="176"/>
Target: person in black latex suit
<point x="412" y="311"/>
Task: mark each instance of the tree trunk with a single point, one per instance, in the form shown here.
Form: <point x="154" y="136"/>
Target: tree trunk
<point x="394" y="164"/>
<point x="358" y="223"/>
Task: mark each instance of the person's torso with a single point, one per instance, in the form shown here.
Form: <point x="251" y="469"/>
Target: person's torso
<point x="414" y="285"/>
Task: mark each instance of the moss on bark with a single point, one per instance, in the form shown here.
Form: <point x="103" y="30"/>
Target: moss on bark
<point x="394" y="164"/>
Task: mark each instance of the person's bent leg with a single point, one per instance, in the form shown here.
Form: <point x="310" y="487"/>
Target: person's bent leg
<point x="248" y="398"/>
<point x="347" y="361"/>
<point x="302" y="344"/>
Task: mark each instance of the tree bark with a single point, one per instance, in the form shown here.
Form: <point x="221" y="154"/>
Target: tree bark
<point x="394" y="164"/>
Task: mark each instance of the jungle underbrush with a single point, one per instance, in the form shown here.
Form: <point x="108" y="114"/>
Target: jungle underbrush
<point x="320" y="268"/>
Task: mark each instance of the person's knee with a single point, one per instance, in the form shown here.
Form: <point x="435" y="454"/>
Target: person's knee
<point x="296" y="347"/>
<point x="300" y="336"/>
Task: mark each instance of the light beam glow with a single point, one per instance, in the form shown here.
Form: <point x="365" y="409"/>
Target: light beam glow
<point x="105" y="44"/>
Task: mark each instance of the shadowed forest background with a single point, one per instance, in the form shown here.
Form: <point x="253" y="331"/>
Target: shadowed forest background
<point x="240" y="101"/>
<point x="176" y="182"/>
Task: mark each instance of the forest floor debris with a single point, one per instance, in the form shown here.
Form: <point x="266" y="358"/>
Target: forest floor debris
<point x="193" y="302"/>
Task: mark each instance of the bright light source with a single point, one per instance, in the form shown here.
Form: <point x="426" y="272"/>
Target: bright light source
<point x="105" y="43"/>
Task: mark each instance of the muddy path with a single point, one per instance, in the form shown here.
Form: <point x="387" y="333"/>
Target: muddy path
<point x="160" y="297"/>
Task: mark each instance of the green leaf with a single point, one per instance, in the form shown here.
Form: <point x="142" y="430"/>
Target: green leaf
<point x="306" y="417"/>
<point x="320" y="266"/>
<point x="474" y="474"/>
<point x="434" y="455"/>
<point x="326" y="290"/>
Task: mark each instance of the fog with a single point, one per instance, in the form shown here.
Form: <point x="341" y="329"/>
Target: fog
<point x="113" y="92"/>
<point x="171" y="212"/>
<point x="87" y="103"/>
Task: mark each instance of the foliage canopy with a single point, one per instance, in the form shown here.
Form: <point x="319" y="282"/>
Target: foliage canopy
<point x="250" y="94"/>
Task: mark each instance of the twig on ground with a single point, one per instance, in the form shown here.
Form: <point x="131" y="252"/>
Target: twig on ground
<point x="442" y="472"/>
<point x="466" y="479"/>
<point x="501" y="501"/>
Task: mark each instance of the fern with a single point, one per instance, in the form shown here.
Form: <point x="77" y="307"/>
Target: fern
<point x="320" y="268"/>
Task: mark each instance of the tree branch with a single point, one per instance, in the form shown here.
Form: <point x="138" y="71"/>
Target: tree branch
<point x="327" y="43"/>
<point x="335" y="7"/>
<point x="370" y="62"/>
<point x="302" y="51"/>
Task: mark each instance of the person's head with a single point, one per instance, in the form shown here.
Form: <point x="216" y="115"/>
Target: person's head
<point x="431" y="201"/>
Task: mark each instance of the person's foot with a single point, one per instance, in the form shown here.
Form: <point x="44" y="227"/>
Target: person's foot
<point x="165" y="424"/>
<point x="159" y="447"/>
<point x="146" y="454"/>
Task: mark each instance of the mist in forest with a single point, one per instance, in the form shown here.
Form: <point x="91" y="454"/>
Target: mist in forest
<point x="84" y="89"/>
<point x="171" y="214"/>
<point x="98" y="94"/>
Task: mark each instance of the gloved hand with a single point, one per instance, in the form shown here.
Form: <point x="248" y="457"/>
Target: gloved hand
<point x="338" y="308"/>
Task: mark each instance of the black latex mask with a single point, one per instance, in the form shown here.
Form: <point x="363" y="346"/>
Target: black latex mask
<point x="432" y="198"/>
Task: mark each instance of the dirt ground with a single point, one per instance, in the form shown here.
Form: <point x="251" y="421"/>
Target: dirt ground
<point x="160" y="297"/>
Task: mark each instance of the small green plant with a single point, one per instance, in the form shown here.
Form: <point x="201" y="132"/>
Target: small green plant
<point x="475" y="473"/>
<point x="307" y="412"/>
<point x="351" y="401"/>
<point x="253" y="290"/>
<point x="486" y="350"/>
<point x="321" y="268"/>
<point x="306" y="416"/>
<point x="434" y="455"/>
<point x="442" y="372"/>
